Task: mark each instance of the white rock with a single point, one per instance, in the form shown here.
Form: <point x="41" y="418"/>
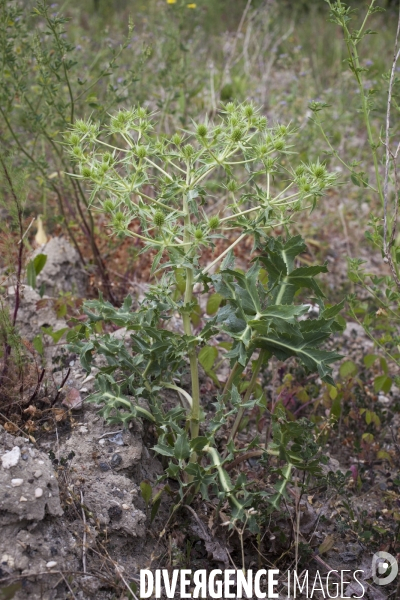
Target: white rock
<point x="38" y="493"/>
<point x="11" y="458"/>
<point x="51" y="564"/>
<point x="40" y="462"/>
<point x="83" y="429"/>
<point x="23" y="499"/>
<point x="38" y="474"/>
<point x="125" y="507"/>
<point x="382" y="399"/>
<point x="8" y="560"/>
<point x="16" y="482"/>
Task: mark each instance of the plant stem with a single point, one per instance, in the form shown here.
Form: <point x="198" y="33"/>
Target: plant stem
<point x="229" y="382"/>
<point x="356" y="68"/>
<point x="246" y="398"/>
<point x="187" y="326"/>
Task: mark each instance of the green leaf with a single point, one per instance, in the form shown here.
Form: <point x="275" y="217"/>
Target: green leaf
<point x="198" y="443"/>
<point x="213" y="303"/>
<point x="207" y="357"/>
<point x="39" y="262"/>
<point x="146" y="491"/>
<point x="163" y="449"/>
<point x="367" y="437"/>
<point x="180" y="279"/>
<point x="31" y="274"/>
<point x="34" y="267"/>
<point x="301" y="342"/>
<point x="333" y="311"/>
<point x="384" y="365"/>
<point x="86" y="355"/>
<point x="55" y="335"/>
<point x="332" y="391"/>
<point x="156" y="505"/>
<point x="369" y="360"/>
<point x="8" y="592"/>
<point x="382" y="383"/>
<point x="336" y="409"/>
<point x="356" y="180"/>
<point x="38" y="344"/>
<point x="195" y="315"/>
<point x="182" y="447"/>
<point x="348" y="369"/>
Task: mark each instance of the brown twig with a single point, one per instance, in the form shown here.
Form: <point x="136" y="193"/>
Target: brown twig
<point x="243" y="457"/>
<point x="61" y="387"/>
<point x="40" y="379"/>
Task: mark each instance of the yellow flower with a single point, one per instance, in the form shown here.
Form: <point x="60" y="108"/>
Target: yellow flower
<point x="193" y="5"/>
<point x="171" y="1"/>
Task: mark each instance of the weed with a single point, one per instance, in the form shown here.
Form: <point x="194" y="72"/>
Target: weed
<point x="162" y="182"/>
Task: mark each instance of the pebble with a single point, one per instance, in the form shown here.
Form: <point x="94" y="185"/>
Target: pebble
<point x="23" y="499"/>
<point x="117" y="439"/>
<point x="38" y="493"/>
<point x="8" y="560"/>
<point x="11" y="458"/>
<point x="125" y="507"/>
<point x="383" y="399"/>
<point x="16" y="482"/>
<point x="51" y="564"/>
<point x="116" y="460"/>
<point x="104" y="466"/>
<point x="73" y="399"/>
<point x="38" y="474"/>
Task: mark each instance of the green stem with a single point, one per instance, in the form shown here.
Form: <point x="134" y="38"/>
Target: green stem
<point x="223" y="477"/>
<point x="246" y="398"/>
<point x="237" y="368"/>
<point x="210" y="266"/>
<point x="187" y="327"/>
<point x="355" y="62"/>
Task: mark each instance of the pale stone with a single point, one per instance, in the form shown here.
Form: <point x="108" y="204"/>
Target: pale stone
<point x="16" y="482"/>
<point x="11" y="458"/>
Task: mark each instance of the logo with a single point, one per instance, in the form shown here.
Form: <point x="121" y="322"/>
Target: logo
<point x="384" y="568"/>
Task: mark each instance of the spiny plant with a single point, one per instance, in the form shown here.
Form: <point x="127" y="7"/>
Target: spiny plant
<point x="164" y="184"/>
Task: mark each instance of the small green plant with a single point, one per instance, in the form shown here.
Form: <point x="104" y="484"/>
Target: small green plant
<point x="162" y="182"/>
<point x="379" y="316"/>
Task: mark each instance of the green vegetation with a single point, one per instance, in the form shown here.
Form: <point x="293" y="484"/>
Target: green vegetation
<point x="235" y="153"/>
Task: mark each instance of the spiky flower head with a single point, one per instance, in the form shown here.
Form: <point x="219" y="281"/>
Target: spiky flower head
<point x="159" y="219"/>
